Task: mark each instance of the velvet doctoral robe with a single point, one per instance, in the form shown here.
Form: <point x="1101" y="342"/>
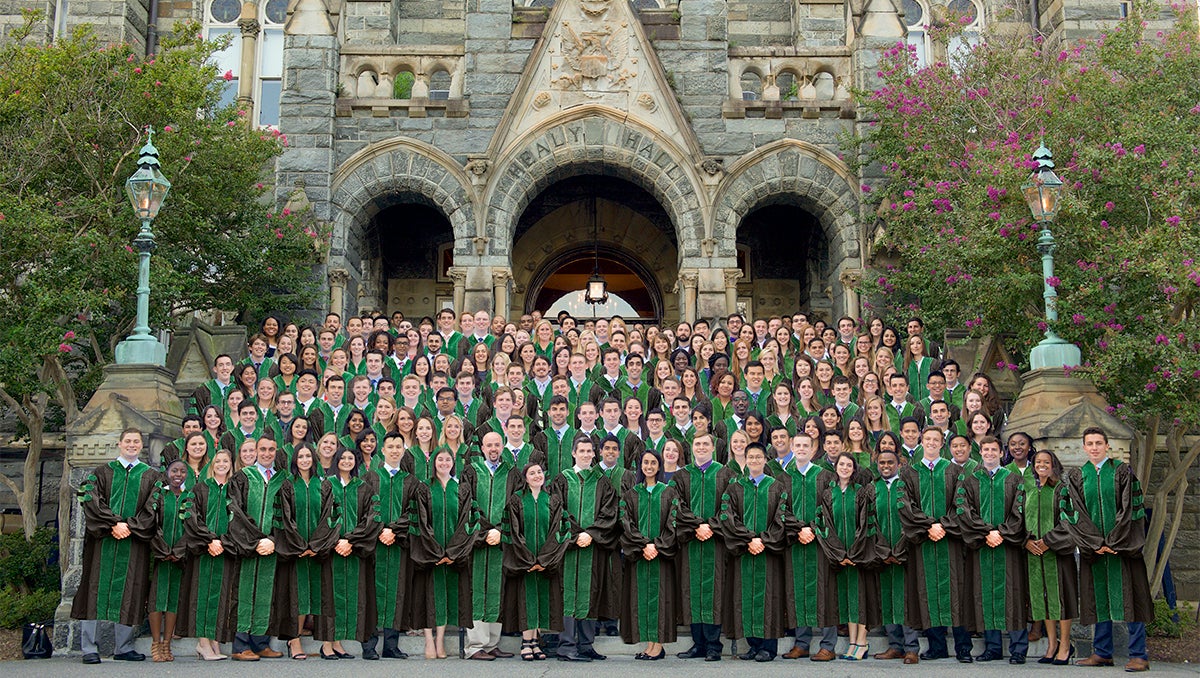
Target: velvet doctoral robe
<point x="807" y="572"/>
<point x="204" y="602"/>
<point x="847" y="532"/>
<point x="650" y="609"/>
<point x="943" y="584"/>
<point x="168" y="566"/>
<point x="115" y="583"/>
<point x="535" y="533"/>
<point x="348" y="582"/>
<point x="404" y="509"/>
<point x="555" y="450"/>
<point x="1053" y="581"/>
<point x="1104" y="507"/>
<point x="311" y="514"/>
<point x="265" y="586"/>
<point x="898" y="601"/>
<point x="489" y="496"/>
<point x="438" y="592"/>
<point x="758" y="586"/>
<point x="588" y="582"/>
<point x="701" y="564"/>
<point x="995" y="501"/>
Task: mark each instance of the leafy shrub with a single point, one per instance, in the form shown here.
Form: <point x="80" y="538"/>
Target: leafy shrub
<point x="18" y="608"/>
<point x="1171" y="623"/>
<point x="30" y="566"/>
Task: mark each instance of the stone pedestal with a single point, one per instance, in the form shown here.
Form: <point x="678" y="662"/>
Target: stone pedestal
<point x="1055" y="408"/>
<point x="711" y="298"/>
<point x="141" y="396"/>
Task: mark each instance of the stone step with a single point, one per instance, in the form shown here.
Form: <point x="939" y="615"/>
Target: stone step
<point x="608" y="645"/>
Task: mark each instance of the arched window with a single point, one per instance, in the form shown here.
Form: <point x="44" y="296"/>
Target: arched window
<point x="970" y="17"/>
<point x="916" y="16"/>
<point x="221" y="19"/>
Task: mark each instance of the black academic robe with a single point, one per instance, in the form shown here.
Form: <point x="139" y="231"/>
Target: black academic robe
<point x="535" y="533"/>
<point x="489" y="496"/>
<point x="348" y="610"/>
<point x="701" y="564"/>
<point x="898" y="602"/>
<point x="590" y="504"/>
<point x="115" y="582"/>
<point x="757" y="583"/>
<point x="650" y="609"/>
<point x="847" y="531"/>
<point x="437" y="592"/>
<point x="204" y="604"/>
<point x="1053" y="579"/>
<point x="404" y="509"/>
<point x="1104" y="507"/>
<point x="944" y="584"/>
<point x="986" y="502"/>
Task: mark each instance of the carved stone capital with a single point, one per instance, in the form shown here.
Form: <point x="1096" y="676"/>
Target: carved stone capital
<point x="689" y="279"/>
<point x="338" y="277"/>
<point x="501" y="276"/>
<point x="458" y="274"/>
<point x="250" y="27"/>
<point x="732" y="276"/>
<point x="851" y="277"/>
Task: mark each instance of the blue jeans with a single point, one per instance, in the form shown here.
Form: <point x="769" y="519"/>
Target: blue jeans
<point x="1102" y="640"/>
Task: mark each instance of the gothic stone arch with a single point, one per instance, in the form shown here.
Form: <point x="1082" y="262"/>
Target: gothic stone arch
<point x="588" y="140"/>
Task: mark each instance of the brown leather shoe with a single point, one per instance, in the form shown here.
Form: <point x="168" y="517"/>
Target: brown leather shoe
<point x="796" y="652"/>
<point x="483" y="656"/>
<point x="1136" y="665"/>
<point x="912" y="658"/>
<point x="244" y="656"/>
<point x="823" y="656"/>
<point x="500" y="654"/>
<point x="268" y="653"/>
<point x="892" y="653"/>
<point x="1095" y="660"/>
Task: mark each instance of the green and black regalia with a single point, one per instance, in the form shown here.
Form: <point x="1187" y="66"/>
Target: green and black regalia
<point x="589" y="580"/>
<point x="114" y="583"/>
<point x="1104" y="508"/>
<point x="650" y="609"/>
<point x="898" y="603"/>
<point x="404" y="509"/>
<point x="310" y="514"/>
<point x="847" y="532"/>
<point x="701" y="564"/>
<point x="168" y="568"/>
<point x="348" y="582"/>
<point x="758" y="588"/>
<point x="995" y="501"/>
<point x="807" y="573"/>
<point x="204" y="603"/>
<point x="265" y="586"/>
<point x="438" y="591"/>
<point x="1053" y="582"/>
<point x="489" y="492"/>
<point x="535" y="533"/>
<point x="943" y="584"/>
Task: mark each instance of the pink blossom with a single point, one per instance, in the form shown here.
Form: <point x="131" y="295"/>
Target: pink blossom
<point x="1140" y="149"/>
<point x="1042" y="326"/>
<point x="1053" y="281"/>
<point x="286" y="212"/>
<point x="168" y="128"/>
<point x="1078" y="318"/>
<point x="69" y="335"/>
<point x="1109" y="206"/>
<point x="64" y="348"/>
<point x="138" y="70"/>
<point x="1162" y="339"/>
<point x="866" y="188"/>
<point x="1151" y="386"/>
<point x="228" y="76"/>
<point x="1173" y="221"/>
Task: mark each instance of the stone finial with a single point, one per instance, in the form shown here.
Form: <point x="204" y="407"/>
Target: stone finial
<point x="309" y="17"/>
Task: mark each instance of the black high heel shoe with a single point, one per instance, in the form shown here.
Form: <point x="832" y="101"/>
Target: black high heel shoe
<point x="1070" y="656"/>
<point x="1049" y="659"/>
<point x="329" y="656"/>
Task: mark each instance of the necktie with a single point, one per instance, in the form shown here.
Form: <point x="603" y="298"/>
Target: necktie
<point x="270" y="472"/>
<point x="392" y="472"/>
<point x="929" y="464"/>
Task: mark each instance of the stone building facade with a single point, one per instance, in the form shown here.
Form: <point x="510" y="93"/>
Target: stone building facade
<point x="490" y="154"/>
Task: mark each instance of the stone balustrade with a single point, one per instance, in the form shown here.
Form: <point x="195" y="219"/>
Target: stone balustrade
<point x="368" y="77"/>
<point x="777" y="82"/>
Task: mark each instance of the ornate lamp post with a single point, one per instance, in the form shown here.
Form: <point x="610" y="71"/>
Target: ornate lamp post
<point x="596" y="291"/>
<point x="1042" y="193"/>
<point x="146" y="188"/>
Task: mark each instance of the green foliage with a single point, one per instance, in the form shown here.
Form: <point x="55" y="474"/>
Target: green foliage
<point x="71" y="123"/>
<point x="1170" y="623"/>
<point x="18" y="609"/>
<point x="403" y="85"/>
<point x="1121" y="114"/>
<point x="29" y="565"/>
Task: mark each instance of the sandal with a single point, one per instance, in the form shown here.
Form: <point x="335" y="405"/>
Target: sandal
<point x="527" y="653"/>
<point x="537" y="649"/>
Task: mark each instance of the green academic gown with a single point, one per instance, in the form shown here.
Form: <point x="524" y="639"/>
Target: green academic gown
<point x="807" y="573"/>
<point x="490" y="492"/>
<point x="168" y="568"/>
<point x="309" y="514"/>
<point x="204" y="602"/>
<point x="404" y="509"/>
<point x="650" y="609"/>
<point x="556" y="450"/>
<point x="114" y="584"/>
<point x="943" y="585"/>
<point x="758" y="585"/>
<point x="439" y="592"/>
<point x="1104" y="507"/>
<point x="847" y="532"/>
<point x="701" y="564"/>
<point x="995" y="501"/>
<point x="535" y="533"/>
<point x="898" y="602"/>
<point x="590" y="505"/>
<point x="1053" y="582"/>
<point x="348" y="583"/>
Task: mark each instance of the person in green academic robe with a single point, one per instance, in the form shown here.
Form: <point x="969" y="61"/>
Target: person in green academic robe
<point x="847" y="538"/>
<point x="988" y="507"/>
<point x="590" y="509"/>
<point x="1106" y="519"/>
<point x="899" y="609"/>
<point x="195" y="457"/>
<point x="807" y="572"/>
<point x="536" y="535"/>
<point x="555" y="442"/>
<point x="120" y="502"/>
<point x="753" y="524"/>
<point x="703" y="555"/>
<point x="310" y="511"/>
<point x="168" y="570"/>
<point x="439" y="556"/>
<point x="208" y="564"/>
<point x="489" y="479"/>
<point x="935" y="554"/>
<point x="648" y="513"/>
<point x="1053" y="582"/>
<point x="262" y="528"/>
<point x="346" y="552"/>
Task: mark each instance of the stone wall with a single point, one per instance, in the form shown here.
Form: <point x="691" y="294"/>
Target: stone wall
<point x="1185" y="556"/>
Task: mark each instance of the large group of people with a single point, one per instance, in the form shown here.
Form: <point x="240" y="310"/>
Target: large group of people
<point x="783" y="478"/>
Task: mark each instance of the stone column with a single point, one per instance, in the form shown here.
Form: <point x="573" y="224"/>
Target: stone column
<point x="248" y="71"/>
<point x="338" y="279"/>
<point x="459" y="275"/>
<point x="501" y="279"/>
<point x="689" y="280"/>
<point x="141" y="396"/>
<point x="850" y="278"/>
<point x="732" y="276"/>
